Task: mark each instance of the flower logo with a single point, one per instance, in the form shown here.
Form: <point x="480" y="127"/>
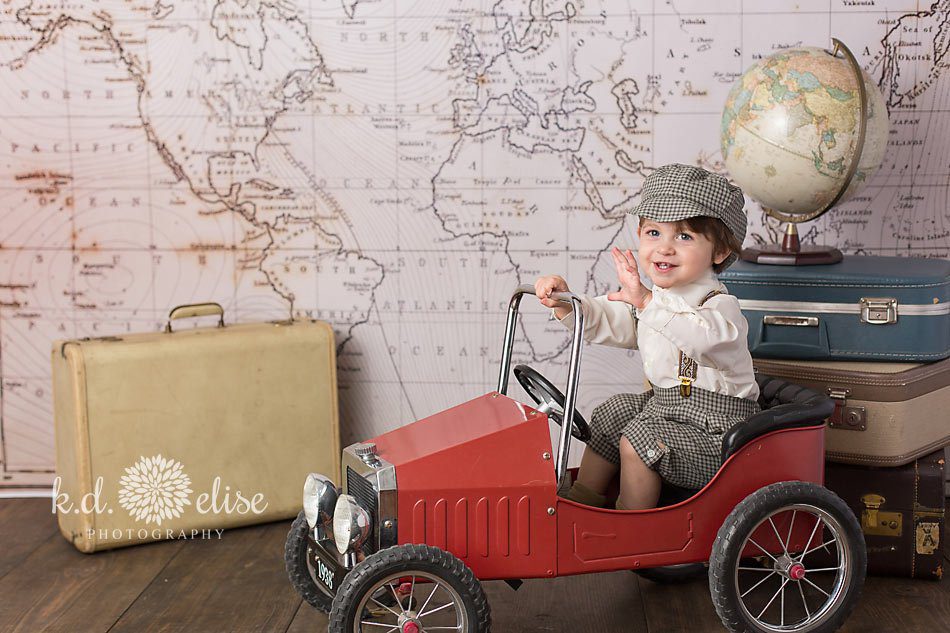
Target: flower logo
<point x="154" y="489"/>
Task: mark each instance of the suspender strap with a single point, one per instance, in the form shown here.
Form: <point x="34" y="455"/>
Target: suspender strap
<point x="686" y="372"/>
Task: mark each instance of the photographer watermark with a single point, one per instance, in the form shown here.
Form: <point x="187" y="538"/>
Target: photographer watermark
<point x="128" y="534"/>
<point x="155" y="490"/>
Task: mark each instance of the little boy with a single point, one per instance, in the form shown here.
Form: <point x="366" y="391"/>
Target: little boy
<point x="691" y="336"/>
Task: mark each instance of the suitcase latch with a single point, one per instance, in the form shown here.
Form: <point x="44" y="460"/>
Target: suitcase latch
<point x="878" y="311"/>
<point x="845" y="417"/>
<point x="874" y="521"/>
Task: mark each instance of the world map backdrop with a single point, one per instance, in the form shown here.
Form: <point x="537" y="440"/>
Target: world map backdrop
<point x="396" y="169"/>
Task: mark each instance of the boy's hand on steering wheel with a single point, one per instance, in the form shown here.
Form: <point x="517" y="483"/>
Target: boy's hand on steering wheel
<point x="632" y="290"/>
<point x="543" y="288"/>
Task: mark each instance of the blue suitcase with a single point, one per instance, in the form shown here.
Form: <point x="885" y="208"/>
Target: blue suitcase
<point x="863" y="308"/>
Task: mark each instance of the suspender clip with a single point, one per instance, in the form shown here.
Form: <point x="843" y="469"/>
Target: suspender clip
<point x="685" y="386"/>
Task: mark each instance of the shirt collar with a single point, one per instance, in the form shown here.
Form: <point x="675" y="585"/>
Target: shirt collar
<point x="694" y="292"/>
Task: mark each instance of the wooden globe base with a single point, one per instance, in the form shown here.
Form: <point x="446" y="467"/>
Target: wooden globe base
<point x="791" y="252"/>
<point x="808" y="255"/>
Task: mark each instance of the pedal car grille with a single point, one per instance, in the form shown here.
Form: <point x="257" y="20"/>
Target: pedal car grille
<point x="364" y="493"/>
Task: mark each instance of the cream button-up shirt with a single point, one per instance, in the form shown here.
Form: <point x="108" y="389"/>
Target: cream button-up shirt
<point x="713" y="335"/>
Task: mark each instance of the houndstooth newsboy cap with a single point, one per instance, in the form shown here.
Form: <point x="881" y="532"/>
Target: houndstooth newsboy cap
<point x="677" y="192"/>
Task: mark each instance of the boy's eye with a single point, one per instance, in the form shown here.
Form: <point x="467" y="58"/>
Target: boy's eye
<point x="685" y="236"/>
<point x="653" y="233"/>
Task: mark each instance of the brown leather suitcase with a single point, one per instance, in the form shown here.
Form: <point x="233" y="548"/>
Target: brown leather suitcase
<point x="901" y="511"/>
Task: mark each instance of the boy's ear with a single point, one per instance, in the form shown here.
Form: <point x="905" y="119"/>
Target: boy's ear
<point x="721" y="256"/>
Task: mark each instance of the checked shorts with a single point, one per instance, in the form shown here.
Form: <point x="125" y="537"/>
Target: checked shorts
<point x="680" y="438"/>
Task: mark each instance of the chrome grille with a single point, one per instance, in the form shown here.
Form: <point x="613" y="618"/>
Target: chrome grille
<point x="364" y="493"/>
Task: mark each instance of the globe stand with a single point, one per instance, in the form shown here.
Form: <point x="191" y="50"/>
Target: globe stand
<point x="791" y="252"/>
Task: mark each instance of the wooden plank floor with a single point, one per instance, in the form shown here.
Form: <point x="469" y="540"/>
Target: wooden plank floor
<point x="237" y="583"/>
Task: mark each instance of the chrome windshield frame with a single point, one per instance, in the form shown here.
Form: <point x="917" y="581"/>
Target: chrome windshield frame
<point x="573" y="372"/>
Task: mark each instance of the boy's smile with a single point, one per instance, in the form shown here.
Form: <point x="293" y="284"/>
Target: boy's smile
<point x="672" y="255"/>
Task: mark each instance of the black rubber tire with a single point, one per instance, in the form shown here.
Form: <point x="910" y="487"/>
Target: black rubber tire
<point x="409" y="559"/>
<point x="295" y="560"/>
<point x="745" y="516"/>
<point x="673" y="574"/>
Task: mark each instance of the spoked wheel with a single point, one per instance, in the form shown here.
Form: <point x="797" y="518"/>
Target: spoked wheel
<point x="790" y="557"/>
<point x="410" y="589"/>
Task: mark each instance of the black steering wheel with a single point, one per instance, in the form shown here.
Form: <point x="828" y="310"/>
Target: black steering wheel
<point x="551" y="400"/>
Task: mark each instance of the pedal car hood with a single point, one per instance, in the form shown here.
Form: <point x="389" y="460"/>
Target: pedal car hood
<point x="490" y="441"/>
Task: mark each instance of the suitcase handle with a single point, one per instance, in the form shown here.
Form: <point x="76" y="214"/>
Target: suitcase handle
<point x="797" y="321"/>
<point x="794" y="344"/>
<point x="190" y="310"/>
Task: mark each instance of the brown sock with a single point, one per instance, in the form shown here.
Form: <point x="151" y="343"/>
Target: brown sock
<point x="582" y="494"/>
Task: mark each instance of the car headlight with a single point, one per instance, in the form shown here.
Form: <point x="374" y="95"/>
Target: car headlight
<point x="319" y="499"/>
<point x="351" y="524"/>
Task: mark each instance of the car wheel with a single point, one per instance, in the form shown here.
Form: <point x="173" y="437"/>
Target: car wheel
<point x="673" y="574"/>
<point x="410" y="588"/>
<point x="790" y="557"/>
<point x="299" y="569"/>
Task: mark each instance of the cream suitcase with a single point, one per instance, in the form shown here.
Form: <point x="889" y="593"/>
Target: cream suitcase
<point x="887" y="414"/>
<point x="183" y="433"/>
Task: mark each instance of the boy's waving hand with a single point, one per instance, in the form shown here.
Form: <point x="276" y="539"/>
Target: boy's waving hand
<point x="632" y="290"/>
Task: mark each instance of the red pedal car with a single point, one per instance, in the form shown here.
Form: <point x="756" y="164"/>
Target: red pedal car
<point x="471" y="493"/>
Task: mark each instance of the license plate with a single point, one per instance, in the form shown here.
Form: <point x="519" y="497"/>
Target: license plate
<point x="326" y="570"/>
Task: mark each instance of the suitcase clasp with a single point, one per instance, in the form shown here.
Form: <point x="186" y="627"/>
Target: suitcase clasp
<point x="878" y="310"/>
<point x="876" y="521"/>
<point x="845" y="417"/>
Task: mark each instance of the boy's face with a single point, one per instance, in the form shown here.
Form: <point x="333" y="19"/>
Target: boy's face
<point x="673" y="255"/>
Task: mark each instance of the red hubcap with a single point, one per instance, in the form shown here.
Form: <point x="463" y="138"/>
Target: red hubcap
<point x="796" y="571"/>
<point x="410" y="627"/>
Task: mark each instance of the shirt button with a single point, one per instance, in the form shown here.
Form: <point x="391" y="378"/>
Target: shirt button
<point x="651" y="453"/>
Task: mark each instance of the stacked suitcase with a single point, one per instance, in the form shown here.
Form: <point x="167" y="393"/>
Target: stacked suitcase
<point x="874" y="334"/>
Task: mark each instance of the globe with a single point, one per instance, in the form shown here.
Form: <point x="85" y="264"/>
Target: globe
<point x="791" y="129"/>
